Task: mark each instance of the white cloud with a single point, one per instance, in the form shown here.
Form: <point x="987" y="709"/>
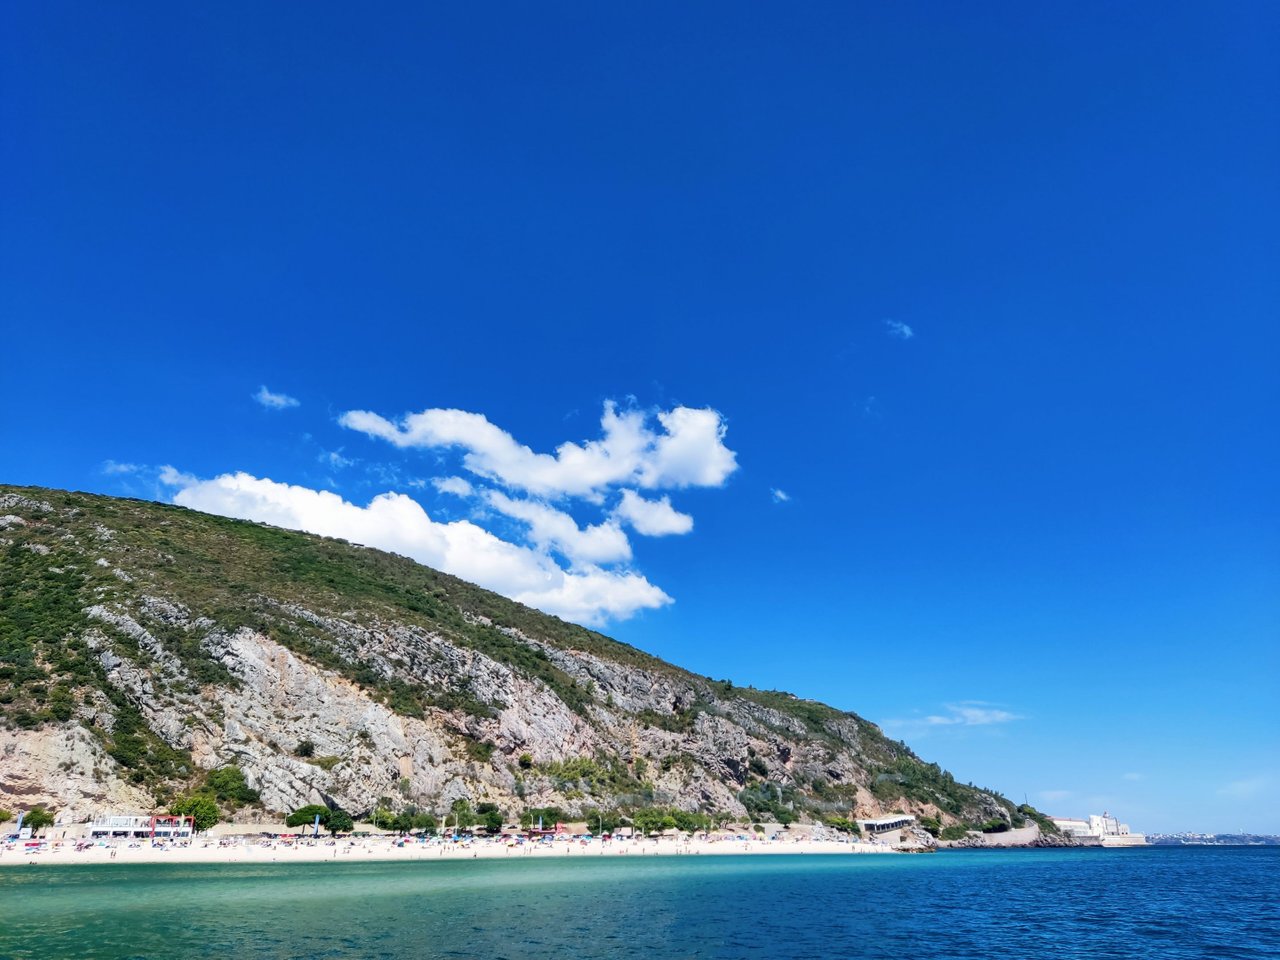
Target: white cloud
<point x="274" y="401"/>
<point x="114" y="468"/>
<point x="1133" y="777"/>
<point x="552" y="557"/>
<point x="780" y="496"/>
<point x="688" y="451"/>
<point x="398" y="523"/>
<point x="454" y="485"/>
<point x="691" y="453"/>
<point x="554" y="529"/>
<point x="173" y="477"/>
<point x="899" y="329"/>
<point x="652" y="518"/>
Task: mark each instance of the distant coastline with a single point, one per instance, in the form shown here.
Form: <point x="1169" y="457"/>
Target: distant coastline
<point x="1213" y="840"/>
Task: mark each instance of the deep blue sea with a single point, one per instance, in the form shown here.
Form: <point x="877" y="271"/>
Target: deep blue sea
<point x="1155" y="902"/>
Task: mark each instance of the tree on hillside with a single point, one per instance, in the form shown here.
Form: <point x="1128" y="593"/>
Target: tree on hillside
<point x="201" y="807"/>
<point x="38" y="818"/>
<point x="306" y="816"/>
<point x="5" y="816"/>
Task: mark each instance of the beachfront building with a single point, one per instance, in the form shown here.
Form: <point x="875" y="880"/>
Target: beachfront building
<point x="139" y="827"/>
<point x="897" y="821"/>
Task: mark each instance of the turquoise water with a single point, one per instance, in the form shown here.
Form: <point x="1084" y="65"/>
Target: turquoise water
<point x="1166" y="903"/>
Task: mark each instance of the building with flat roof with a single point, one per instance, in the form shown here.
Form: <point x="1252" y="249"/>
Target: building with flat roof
<point x="135" y="826"/>
<point x="896" y="821"/>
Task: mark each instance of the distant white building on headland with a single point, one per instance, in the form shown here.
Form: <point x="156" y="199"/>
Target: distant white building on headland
<point x="1106" y="829"/>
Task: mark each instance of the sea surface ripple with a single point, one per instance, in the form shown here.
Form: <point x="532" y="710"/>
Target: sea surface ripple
<point x="1166" y="903"/>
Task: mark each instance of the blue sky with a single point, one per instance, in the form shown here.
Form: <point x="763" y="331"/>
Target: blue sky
<point x="929" y="336"/>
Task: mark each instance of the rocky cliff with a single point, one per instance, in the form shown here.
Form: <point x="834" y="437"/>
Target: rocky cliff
<point x="143" y="645"/>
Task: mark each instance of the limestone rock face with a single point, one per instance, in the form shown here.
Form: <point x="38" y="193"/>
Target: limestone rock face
<point x="333" y="674"/>
<point x="65" y="769"/>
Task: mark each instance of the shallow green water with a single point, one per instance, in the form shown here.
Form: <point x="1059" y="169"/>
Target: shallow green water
<point x="1208" y="902"/>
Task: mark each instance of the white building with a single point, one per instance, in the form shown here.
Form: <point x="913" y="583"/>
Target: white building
<point x="1106" y="829"/>
<point x="137" y="826"/>
<point x="1072" y="827"/>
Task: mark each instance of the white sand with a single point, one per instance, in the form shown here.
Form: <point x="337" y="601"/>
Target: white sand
<point x="384" y="848"/>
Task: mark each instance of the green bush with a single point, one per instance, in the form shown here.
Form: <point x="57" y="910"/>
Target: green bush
<point x="843" y="825"/>
<point x="229" y="785"/>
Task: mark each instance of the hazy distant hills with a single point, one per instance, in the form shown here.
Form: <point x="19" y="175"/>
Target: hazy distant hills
<point x="144" y="645"/>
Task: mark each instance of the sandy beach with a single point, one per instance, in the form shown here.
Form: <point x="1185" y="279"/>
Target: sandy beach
<point x="281" y="850"/>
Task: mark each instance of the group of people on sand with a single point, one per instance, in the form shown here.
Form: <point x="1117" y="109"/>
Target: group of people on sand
<point x="269" y="847"/>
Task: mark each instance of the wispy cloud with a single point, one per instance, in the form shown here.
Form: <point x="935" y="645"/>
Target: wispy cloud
<point x="899" y="329"/>
<point x="970" y="713"/>
<point x="963" y="714"/>
<point x="1134" y="777"/>
<point x="112" y="468"/>
<point x="144" y="479"/>
<point x="274" y="401"/>
<point x="1245" y="789"/>
<point x="334" y="459"/>
<point x="780" y="496"/>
